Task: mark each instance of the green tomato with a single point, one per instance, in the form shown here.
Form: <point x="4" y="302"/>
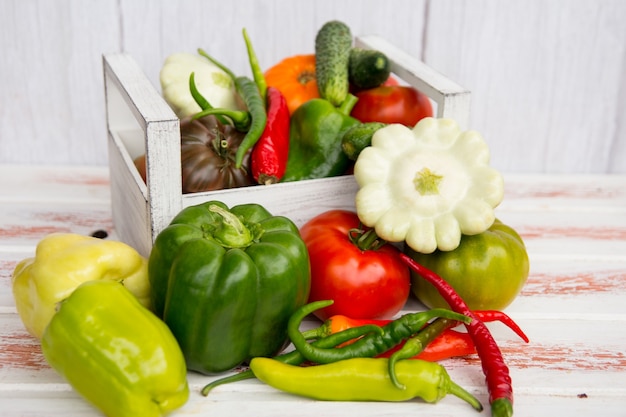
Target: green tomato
<point x="488" y="270"/>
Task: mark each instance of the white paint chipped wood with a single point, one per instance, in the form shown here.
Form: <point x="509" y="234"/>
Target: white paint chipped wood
<point x="572" y="307"/>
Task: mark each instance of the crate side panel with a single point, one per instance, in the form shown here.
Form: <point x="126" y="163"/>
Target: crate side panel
<point x="129" y="205"/>
<point x="164" y="173"/>
<point x="132" y="100"/>
<point x="299" y="201"/>
<point x="453" y="100"/>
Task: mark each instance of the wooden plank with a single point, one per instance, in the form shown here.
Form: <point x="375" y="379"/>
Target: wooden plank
<point x="532" y="87"/>
<point x="311" y="197"/>
<point x="27" y="227"/>
<point x="266" y="402"/>
<point x="30" y="186"/>
<point x="564" y="192"/>
<point x="533" y="82"/>
<point x="571" y="307"/>
<point x="549" y="366"/>
<point x="53" y="50"/>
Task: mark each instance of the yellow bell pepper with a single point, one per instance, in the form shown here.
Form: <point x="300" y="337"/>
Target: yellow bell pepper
<point x="61" y="263"/>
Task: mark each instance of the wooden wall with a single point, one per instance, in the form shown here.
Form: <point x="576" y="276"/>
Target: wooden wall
<point x="548" y="77"/>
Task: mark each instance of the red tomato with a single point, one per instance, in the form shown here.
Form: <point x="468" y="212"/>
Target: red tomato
<point x="392" y="104"/>
<point x="391" y="81"/>
<point x="364" y="284"/>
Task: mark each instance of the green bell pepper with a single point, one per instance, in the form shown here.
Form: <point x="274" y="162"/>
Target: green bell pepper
<point x="116" y="353"/>
<point x="227" y="281"/>
<point x="315" y="133"/>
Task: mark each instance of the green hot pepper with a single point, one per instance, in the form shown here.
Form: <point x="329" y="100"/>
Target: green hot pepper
<point x="116" y="353"/>
<point x="374" y="341"/>
<point x="370" y="345"/>
<point x="315" y="134"/>
<point x="253" y="94"/>
<point x="361" y="379"/>
<point x="227" y="281"/>
<point x="295" y="358"/>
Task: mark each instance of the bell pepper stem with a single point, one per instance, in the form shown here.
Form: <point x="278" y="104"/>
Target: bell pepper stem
<point x="348" y="104"/>
<point x="232" y="232"/>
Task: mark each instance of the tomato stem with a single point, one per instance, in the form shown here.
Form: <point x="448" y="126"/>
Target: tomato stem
<point x="365" y="239"/>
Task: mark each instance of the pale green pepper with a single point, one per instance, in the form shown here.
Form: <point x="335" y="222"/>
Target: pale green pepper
<point x="116" y="353"/>
<point x="362" y="379"/>
<point x="61" y="263"/>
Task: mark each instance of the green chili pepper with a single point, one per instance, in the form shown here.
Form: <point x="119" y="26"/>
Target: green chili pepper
<point x="416" y="344"/>
<point x="240" y="119"/>
<point x="362" y="379"/>
<point x="294" y="357"/>
<point x="368" y="346"/>
<point x="376" y="342"/>
<point x="257" y="71"/>
<point x="250" y="94"/>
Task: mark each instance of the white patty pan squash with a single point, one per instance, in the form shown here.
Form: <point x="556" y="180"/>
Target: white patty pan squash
<point x="213" y="83"/>
<point x="427" y="186"/>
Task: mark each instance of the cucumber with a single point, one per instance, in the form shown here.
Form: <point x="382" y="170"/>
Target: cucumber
<point x="333" y="44"/>
<point x="368" y="68"/>
<point x="359" y="137"/>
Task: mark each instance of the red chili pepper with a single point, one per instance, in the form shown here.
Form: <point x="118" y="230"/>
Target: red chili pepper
<point x="448" y="344"/>
<point x="494" y="367"/>
<point x="269" y="155"/>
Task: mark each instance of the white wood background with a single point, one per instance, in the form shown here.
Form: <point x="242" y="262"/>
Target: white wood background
<point x="548" y="77"/>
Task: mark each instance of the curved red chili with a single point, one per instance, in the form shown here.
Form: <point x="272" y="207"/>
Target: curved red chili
<point x="494" y="367"/>
<point x="269" y="155"/>
<point x="450" y="343"/>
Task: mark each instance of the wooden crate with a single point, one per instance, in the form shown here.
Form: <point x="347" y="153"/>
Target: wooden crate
<point x="140" y="121"/>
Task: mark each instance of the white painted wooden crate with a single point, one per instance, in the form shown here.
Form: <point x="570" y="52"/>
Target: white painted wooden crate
<point x="140" y="121"/>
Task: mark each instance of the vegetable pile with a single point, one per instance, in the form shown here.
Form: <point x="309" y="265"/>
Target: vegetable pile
<point x="289" y="122"/>
<point x="225" y="287"/>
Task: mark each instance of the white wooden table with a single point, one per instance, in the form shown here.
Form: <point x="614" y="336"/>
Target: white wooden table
<point x="573" y="307"/>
